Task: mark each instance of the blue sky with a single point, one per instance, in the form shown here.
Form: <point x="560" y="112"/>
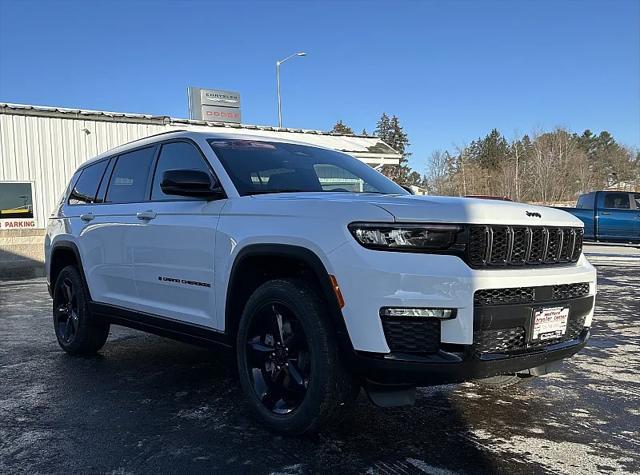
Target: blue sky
<point x="450" y="70"/>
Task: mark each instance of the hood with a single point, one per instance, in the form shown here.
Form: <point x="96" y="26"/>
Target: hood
<point x="445" y="209"/>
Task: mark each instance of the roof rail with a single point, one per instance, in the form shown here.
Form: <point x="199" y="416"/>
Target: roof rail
<point x="155" y="135"/>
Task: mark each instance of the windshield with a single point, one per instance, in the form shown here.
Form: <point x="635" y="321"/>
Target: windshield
<point x="257" y="167"/>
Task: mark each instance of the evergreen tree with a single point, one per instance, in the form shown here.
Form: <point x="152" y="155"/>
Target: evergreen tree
<point x="392" y="133"/>
<point x="383" y="127"/>
<point x="398" y="139"/>
<point x="491" y="151"/>
<point x="340" y="128"/>
<point x="609" y="161"/>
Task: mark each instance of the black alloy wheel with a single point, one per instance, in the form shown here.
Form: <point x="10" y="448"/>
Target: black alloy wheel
<point x="78" y="333"/>
<point x="278" y="358"/>
<point x="66" y="311"/>
<point x="289" y="364"/>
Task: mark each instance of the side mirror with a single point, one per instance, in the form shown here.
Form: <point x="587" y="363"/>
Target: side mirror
<point x="195" y="183"/>
<point x="408" y="188"/>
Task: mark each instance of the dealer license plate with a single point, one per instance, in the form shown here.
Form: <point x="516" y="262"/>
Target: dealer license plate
<point x="549" y="323"/>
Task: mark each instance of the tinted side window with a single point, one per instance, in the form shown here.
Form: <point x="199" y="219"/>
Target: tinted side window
<point x="586" y="201"/>
<point x="636" y="198"/>
<point x="130" y="176"/>
<point x="86" y="187"/>
<point x="617" y="200"/>
<point x="102" y="191"/>
<point x="174" y="156"/>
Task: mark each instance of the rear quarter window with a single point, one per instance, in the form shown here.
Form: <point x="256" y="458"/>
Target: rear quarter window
<point x="85" y="189"/>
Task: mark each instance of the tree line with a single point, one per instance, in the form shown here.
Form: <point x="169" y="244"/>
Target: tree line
<point x="545" y="167"/>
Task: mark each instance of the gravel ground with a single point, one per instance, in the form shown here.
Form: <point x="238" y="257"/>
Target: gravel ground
<point x="147" y="404"/>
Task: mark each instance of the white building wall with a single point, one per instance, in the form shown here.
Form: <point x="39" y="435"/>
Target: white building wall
<point x="48" y="150"/>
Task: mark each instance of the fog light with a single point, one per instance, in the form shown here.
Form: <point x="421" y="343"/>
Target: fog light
<point x="441" y="313"/>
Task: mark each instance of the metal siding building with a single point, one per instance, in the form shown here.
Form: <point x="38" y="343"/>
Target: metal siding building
<point x="44" y="146"/>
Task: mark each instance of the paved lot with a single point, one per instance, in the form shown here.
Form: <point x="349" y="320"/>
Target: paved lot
<point x="148" y="404"/>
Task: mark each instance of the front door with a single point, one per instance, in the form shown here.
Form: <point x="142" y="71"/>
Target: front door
<point x="173" y="244"/>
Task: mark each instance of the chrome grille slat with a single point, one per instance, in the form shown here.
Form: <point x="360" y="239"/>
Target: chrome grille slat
<point x="561" y="239"/>
<point x="545" y="247"/>
<point x="573" y="245"/>
<point x="529" y="244"/>
<point x="510" y="238"/>
<point x="489" y="232"/>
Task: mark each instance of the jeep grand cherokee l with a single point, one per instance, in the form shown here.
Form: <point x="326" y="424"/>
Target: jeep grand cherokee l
<point x="321" y="274"/>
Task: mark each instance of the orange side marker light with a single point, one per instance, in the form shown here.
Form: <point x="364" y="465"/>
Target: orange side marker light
<point x="336" y="290"/>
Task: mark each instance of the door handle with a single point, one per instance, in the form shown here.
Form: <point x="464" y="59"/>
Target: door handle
<point x="605" y="212"/>
<point x="146" y="215"/>
<point x="87" y="217"/>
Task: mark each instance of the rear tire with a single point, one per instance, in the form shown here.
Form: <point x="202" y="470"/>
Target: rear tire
<point x="288" y="360"/>
<point x="77" y="332"/>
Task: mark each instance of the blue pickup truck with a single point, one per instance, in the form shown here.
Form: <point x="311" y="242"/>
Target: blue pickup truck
<point x="612" y="216"/>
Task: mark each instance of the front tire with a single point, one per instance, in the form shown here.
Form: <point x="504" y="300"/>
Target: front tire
<point x="288" y="360"/>
<point x="77" y="332"/>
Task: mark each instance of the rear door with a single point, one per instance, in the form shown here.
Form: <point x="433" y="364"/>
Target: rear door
<point x="107" y="241"/>
<point x="616" y="216"/>
<point x="81" y="210"/>
<point x="173" y="246"/>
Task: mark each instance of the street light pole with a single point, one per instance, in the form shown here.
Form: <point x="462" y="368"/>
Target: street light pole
<point x="278" y="63"/>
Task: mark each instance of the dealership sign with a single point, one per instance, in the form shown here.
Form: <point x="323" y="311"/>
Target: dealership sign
<point x="220" y="114"/>
<point x="17" y="223"/>
<point x="215" y="105"/>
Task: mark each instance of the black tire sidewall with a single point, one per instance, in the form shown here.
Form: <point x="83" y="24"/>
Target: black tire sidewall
<point x="90" y="335"/>
<point x="308" y="311"/>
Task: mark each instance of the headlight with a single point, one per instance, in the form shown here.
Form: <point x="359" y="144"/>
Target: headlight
<point x="407" y="237"/>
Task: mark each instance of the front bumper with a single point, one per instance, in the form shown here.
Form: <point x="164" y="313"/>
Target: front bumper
<point x="370" y="280"/>
<point x="445" y="367"/>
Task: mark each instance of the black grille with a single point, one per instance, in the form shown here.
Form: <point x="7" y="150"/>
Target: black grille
<point x="412" y="335"/>
<point x="499" y="341"/>
<point x="504" y="296"/>
<point x="523" y="245"/>
<point x="518" y="295"/>
<point x="510" y="340"/>
<point x="570" y="291"/>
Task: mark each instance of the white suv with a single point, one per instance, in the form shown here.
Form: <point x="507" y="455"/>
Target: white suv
<point x="322" y="274"/>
